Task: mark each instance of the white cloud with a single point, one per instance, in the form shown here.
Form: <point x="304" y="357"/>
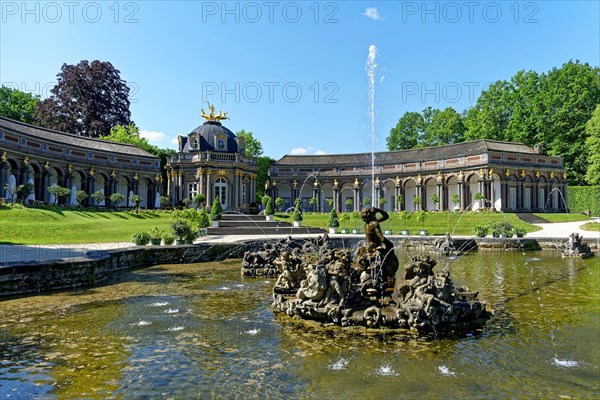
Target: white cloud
<point x="175" y="141"/>
<point x="301" y="151"/>
<point x="373" y="13"/>
<point x="153" y="136"/>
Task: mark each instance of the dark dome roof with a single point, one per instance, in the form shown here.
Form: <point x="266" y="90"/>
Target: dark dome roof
<point x="209" y="131"/>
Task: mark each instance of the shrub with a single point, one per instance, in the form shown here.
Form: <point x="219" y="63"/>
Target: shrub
<point x="168" y="239"/>
<point x="186" y="202"/>
<point x="216" y="212"/>
<point x="203" y="220"/>
<point x="80" y="196"/>
<point x="268" y="205"/>
<point x="163" y="201"/>
<point x="504" y="229"/>
<point x="155" y="233"/>
<point x="481" y="230"/>
<point x="297" y="216"/>
<point x="140" y="238"/>
<point x="98" y="196"/>
<point x="199" y="200"/>
<point x="117" y="198"/>
<point x="333" y="221"/>
<point x="181" y="229"/>
<point x="279" y="202"/>
<point x="24" y="191"/>
<point x="583" y="198"/>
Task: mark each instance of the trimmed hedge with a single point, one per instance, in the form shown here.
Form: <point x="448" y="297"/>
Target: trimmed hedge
<point x="583" y="198"/>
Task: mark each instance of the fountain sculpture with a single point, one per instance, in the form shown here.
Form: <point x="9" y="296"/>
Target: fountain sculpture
<point x="576" y="247"/>
<point x="359" y="287"/>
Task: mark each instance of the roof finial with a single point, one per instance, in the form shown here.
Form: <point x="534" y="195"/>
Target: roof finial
<point x="211" y="115"/>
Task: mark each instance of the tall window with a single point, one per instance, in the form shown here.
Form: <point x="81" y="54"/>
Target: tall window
<point x="221" y="191"/>
<point x="192" y="190"/>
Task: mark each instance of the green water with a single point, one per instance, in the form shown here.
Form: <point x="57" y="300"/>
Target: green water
<point x="200" y="331"/>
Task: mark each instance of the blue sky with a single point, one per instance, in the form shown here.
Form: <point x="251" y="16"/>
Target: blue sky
<point x="294" y="73"/>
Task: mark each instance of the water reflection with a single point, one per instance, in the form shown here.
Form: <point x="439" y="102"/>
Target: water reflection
<point x="199" y="330"/>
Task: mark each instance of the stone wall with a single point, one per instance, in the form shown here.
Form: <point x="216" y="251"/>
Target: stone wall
<point x="100" y="266"/>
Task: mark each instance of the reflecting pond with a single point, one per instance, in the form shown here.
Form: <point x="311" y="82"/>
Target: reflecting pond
<point x="201" y="331"/>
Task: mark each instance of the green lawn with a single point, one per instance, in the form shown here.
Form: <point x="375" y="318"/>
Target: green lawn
<point x="435" y="223"/>
<point x="591" y="226"/>
<point x="563" y="217"/>
<point x="55" y="225"/>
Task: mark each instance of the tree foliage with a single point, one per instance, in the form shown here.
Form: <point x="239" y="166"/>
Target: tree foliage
<point x="89" y="99"/>
<point x="592" y="130"/>
<point x="264" y="164"/>
<point x="550" y="109"/>
<point x="130" y="134"/>
<point x="17" y="105"/>
<point x="253" y="146"/>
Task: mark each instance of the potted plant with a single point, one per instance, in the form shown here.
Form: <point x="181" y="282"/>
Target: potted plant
<point x="367" y="202"/>
<point x="417" y="202"/>
<point x="421" y="216"/>
<point x="382" y="202"/>
<point x="404" y="216"/>
<point x="349" y="204"/>
<point x="98" y="197"/>
<point x="520" y="232"/>
<point x="203" y="222"/>
<point x="435" y="199"/>
<point x="80" y="196"/>
<point x="181" y="230"/>
<point x="279" y="202"/>
<point x="116" y="199"/>
<point x="333" y="222"/>
<point x="190" y="236"/>
<point x="136" y="200"/>
<point x="399" y="201"/>
<point x="478" y="197"/>
<point x="140" y="238"/>
<point x="297" y="216"/>
<point x="481" y="230"/>
<point x="168" y="239"/>
<point x="313" y="203"/>
<point x="155" y="236"/>
<point x="455" y="198"/>
<point x="163" y="201"/>
<point x="344" y="217"/>
<point x="216" y="212"/>
<point x="269" y="212"/>
<point x="355" y="215"/>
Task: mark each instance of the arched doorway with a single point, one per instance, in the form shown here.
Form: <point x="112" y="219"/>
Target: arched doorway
<point x="221" y="192"/>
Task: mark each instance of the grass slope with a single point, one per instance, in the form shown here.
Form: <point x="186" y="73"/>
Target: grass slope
<point x="460" y="224"/>
<point x="56" y="226"/>
<point x="562" y="217"/>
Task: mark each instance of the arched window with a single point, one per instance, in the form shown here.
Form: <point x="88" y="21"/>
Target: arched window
<point x="220" y="144"/>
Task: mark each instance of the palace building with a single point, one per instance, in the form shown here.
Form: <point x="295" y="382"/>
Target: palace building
<point x="45" y="157"/>
<point x="211" y="160"/>
<point x="477" y="174"/>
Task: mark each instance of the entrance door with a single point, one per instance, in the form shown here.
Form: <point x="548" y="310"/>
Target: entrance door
<point x="221" y="191"/>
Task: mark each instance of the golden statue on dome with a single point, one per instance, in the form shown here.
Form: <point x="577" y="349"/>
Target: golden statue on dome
<point x="211" y="116"/>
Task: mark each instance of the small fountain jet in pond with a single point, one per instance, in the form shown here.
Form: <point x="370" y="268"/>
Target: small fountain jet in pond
<point x="576" y="247"/>
<point x="360" y="288"/>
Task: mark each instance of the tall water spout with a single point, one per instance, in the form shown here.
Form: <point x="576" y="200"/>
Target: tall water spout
<point x="371" y="67"/>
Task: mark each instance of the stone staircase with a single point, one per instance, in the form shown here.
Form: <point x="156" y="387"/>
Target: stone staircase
<point x="256" y="225"/>
<point x="531" y="219"/>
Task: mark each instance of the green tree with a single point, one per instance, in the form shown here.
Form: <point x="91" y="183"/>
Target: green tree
<point x="216" y="211"/>
<point x="268" y="202"/>
<point x="455" y="198"/>
<point x="24" y="191"/>
<point x="407" y="132"/>
<point x="592" y="130"/>
<point x="130" y="134"/>
<point x="297" y="216"/>
<point x="18" y="105"/>
<point x="59" y="192"/>
<point x="253" y="146"/>
<point x="117" y="198"/>
<point x="445" y="127"/>
<point x="333" y="221"/>
<point x="263" y="164"/>
<point x="98" y="196"/>
<point x="490" y="116"/>
<point x="89" y="99"/>
<point x="199" y="200"/>
<point x="279" y="202"/>
<point x="435" y="199"/>
<point x="80" y="196"/>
